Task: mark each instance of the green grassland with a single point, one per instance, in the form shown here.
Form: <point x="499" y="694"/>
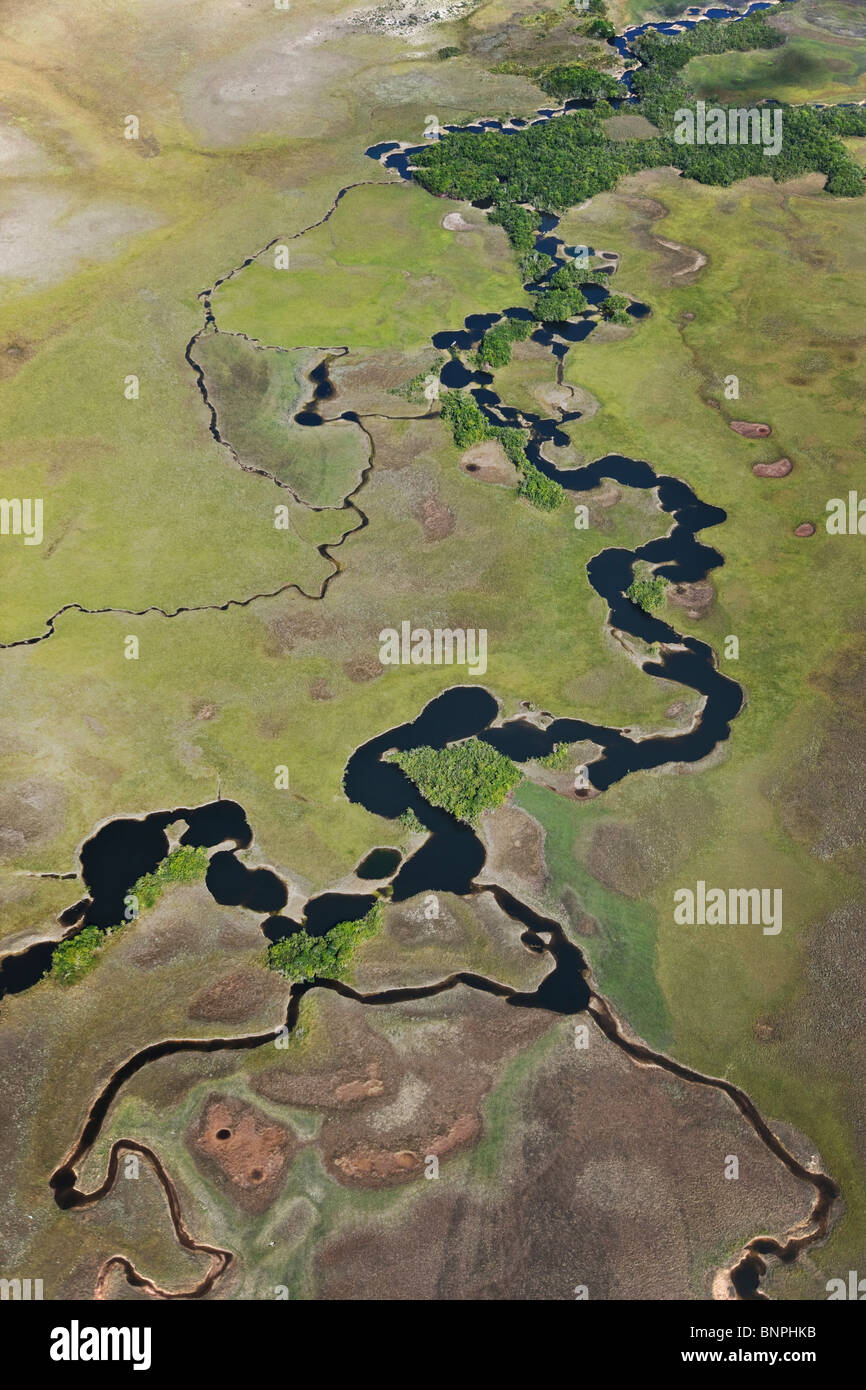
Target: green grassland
<point x="382" y="274"/>
<point x="794" y="606"/>
<point x="824" y="59"/>
<point x="141" y="506"/>
<point x="144" y="508"/>
<point x="235" y="694"/>
<point x="255" y="395"/>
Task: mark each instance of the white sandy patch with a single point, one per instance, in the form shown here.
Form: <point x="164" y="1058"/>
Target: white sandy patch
<point x="297" y="85"/>
<point x="44" y="236"/>
<point x="19" y="154"/>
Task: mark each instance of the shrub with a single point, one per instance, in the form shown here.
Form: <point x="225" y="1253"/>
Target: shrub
<point x="72" y="959"/>
<point x="647" y="594"/>
<point x="186" y="864"/>
<point x="305" y="957"/>
<point x="495" y="349"/>
<point x="614" y="309"/>
<point x="464" y="780"/>
<point x="537" y="488"/>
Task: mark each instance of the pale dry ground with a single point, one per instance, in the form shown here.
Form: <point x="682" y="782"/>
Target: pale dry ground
<point x="225" y="162"/>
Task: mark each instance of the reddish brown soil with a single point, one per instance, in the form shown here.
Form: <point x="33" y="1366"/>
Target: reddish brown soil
<point x="238" y="996"/>
<point x="694" y="598"/>
<point x="243" y="1150"/>
<point x="436" y="518"/>
<point x="805" y="528"/>
<point x="385" y="1109"/>
<point x="367" y="1165"/>
<point x="749" y="430"/>
<point x="363" y="668"/>
<point x="780" y="469"/>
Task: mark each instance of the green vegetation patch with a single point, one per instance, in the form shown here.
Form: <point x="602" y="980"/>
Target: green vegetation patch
<point x="382" y="273"/>
<point x="469" y="427"/>
<point x="568" y="80"/>
<point x="255" y="393"/>
<point x="614" y="309"/>
<point x="186" y="864"/>
<point x="464" y="780"/>
<point x="495" y="349"/>
<point x="648" y="594"/>
<point x="305" y="957"/>
<point x="74" y="959"/>
<point x="557" y="164"/>
<point x="538" y="489"/>
<point x="559" y="759"/>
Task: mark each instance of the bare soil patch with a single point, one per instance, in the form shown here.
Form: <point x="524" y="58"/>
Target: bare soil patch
<point x="750" y="429"/>
<point x="696" y="598"/>
<point x="488" y="462"/>
<point x="243" y="1150"/>
<point x="436" y="518"/>
<point x="780" y="469"/>
<point x="515" y="847"/>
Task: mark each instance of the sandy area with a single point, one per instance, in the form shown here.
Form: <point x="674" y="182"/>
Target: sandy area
<point x="44" y="236"/>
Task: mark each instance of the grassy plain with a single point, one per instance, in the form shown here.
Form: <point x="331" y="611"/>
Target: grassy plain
<point x="824" y="59"/>
<point x="247" y="136"/>
<point x="732" y="1000"/>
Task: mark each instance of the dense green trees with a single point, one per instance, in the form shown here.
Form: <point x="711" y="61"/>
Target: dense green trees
<point x="495" y="349"/>
<point x="463" y="414"/>
<point x="571" y="276"/>
<point x="552" y="306"/>
<point x="576" y="80"/>
<point x="552" y="165"/>
<point x="556" y="164"/>
<point x="535" y="265"/>
<point x="614" y="309"/>
<point x="520" y="224"/>
<point x="648" y="594"/>
<point x="464" y="780"/>
<point x="327" y="957"/>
